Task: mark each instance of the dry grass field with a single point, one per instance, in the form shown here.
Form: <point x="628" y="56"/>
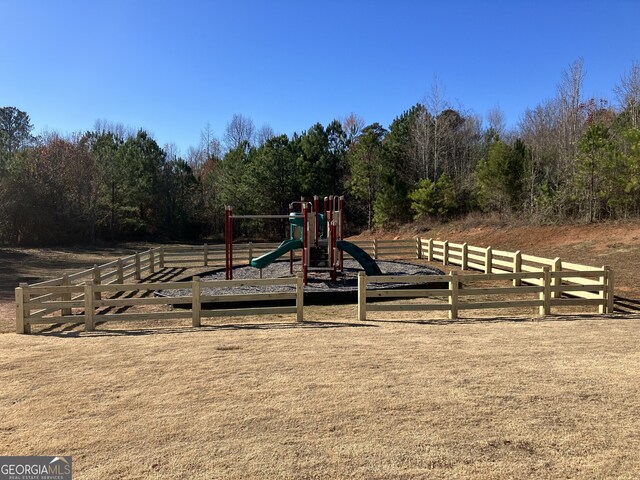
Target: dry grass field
<point x="398" y="397"/>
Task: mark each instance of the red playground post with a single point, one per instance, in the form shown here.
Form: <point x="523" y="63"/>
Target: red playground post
<point x="228" y="242"/>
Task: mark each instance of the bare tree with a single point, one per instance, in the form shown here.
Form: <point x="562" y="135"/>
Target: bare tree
<point x="495" y="117"/>
<point x="539" y="128"/>
<point x="209" y="143"/>
<point x="352" y="125"/>
<point x="196" y="158"/>
<point x="570" y="98"/>
<point x="239" y="130"/>
<point x="628" y="93"/>
<point x="436" y="104"/>
<point x="119" y="130"/>
<point x="172" y="151"/>
<point x="264" y="134"/>
<point x="421" y="136"/>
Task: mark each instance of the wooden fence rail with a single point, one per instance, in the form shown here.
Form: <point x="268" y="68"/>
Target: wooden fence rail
<point x="91" y="303"/>
<point x="456" y="298"/>
<point x="488" y="260"/>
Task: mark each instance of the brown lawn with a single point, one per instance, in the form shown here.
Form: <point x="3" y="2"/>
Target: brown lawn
<point x="400" y="397"/>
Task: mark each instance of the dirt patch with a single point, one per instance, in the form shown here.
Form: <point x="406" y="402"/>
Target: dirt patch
<point x="33" y="265"/>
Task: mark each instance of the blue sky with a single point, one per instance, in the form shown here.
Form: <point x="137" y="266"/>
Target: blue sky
<point x="171" y="67"/>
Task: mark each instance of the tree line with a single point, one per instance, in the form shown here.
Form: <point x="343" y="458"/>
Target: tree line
<point x="571" y="157"/>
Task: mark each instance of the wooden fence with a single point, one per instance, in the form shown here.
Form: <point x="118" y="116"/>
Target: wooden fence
<point x="64" y="299"/>
<point x="214" y="255"/>
<point x="545" y="286"/>
<point x="91" y="303"/>
<point x="576" y="280"/>
<point x="388" y="249"/>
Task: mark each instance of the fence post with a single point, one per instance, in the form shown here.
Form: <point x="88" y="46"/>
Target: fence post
<point x="195" y="302"/>
<point x="89" y="306"/>
<point x="119" y="273"/>
<point x="22" y="325"/>
<point x="605" y="290"/>
<point x="65" y="297"/>
<point x="205" y="253"/>
<point x="362" y="296"/>
<point x="602" y="294"/>
<point x="136" y="275"/>
<point x="545" y="295"/>
<point x="152" y="261"/>
<point x="488" y="261"/>
<point x="465" y="256"/>
<point x="610" y="295"/>
<point x="375" y="249"/>
<point x="97" y="279"/>
<point x="418" y="248"/>
<point x="453" y="296"/>
<point x="445" y="252"/>
<point x="299" y="297"/>
<point x="251" y="252"/>
<point x="556" y="267"/>
<point x="517" y="267"/>
<point x="430" y="250"/>
<point x="161" y="257"/>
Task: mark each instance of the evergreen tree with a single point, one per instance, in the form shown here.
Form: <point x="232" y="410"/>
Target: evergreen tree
<point x="434" y="199"/>
<point x="365" y="168"/>
<point x="501" y="176"/>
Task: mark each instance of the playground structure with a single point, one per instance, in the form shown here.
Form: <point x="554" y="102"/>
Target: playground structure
<point x="318" y="233"/>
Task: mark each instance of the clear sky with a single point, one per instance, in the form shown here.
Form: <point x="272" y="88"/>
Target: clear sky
<point x="171" y="67"/>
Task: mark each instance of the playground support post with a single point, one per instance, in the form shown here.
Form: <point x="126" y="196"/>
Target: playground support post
<point x="305" y="242"/>
<point x="292" y="235"/>
<point x="332" y="249"/>
<point x="340" y="227"/>
<point x="316" y="206"/>
<point x="228" y="242"/>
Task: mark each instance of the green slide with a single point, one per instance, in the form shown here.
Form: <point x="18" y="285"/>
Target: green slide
<point x="269" y="257"/>
<point x="359" y="255"/>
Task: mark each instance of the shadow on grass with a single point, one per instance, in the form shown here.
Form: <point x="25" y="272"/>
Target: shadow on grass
<point x="165" y="275"/>
<point x="71" y="330"/>
<point x="105" y="332"/>
<point x="511" y="319"/>
<point x="626" y="305"/>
